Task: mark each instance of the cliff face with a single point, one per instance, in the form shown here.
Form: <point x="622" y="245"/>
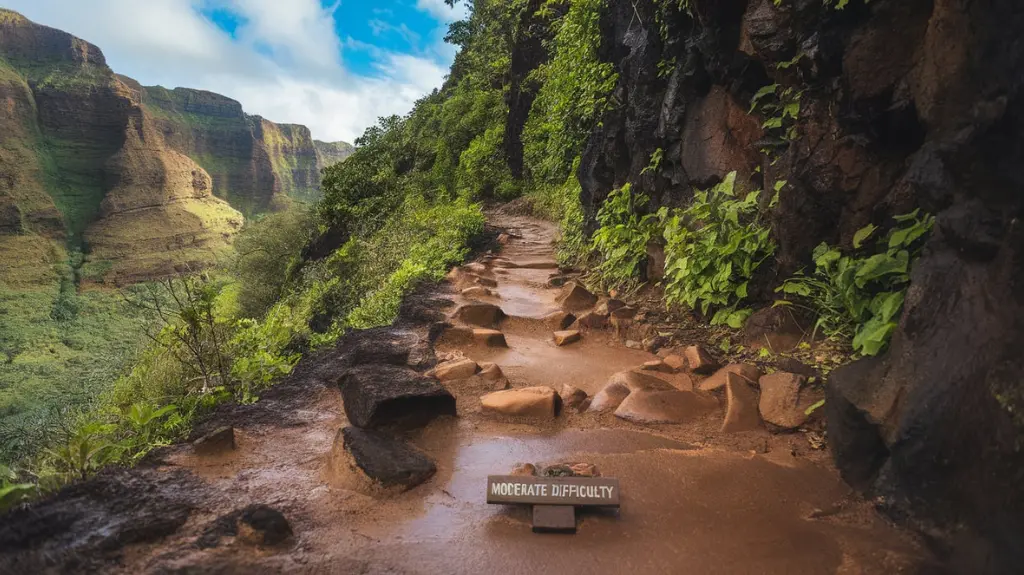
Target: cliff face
<point x="143" y="180"/>
<point x="333" y="152"/>
<point x="902" y="105"/>
<point x="255" y="164"/>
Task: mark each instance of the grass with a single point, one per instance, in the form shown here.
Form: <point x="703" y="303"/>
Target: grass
<point x="49" y="368"/>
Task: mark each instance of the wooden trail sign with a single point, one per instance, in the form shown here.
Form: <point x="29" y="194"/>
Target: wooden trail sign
<point x="554" y="499"/>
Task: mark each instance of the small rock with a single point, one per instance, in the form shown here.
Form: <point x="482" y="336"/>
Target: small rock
<point x="624" y="312"/>
<point x="634" y="344"/>
<point x="563" y="338"/>
<point x="791" y="365"/>
<point x="593" y="320"/>
<point x="541" y="402"/>
<point x="575" y="297"/>
<point x="477" y="291"/>
<point x="608" y="306"/>
<point x="261" y="525"/>
<point x="649" y="407"/>
<point x="527" y="469"/>
<point x="386" y="459"/>
<point x="584" y="470"/>
<point x="741" y="412"/>
<point x="559" y="320"/>
<point x="504" y="239"/>
<point x="457" y="369"/>
<point x="699" y="360"/>
<point x="653" y="344"/>
<point x="781" y="403"/>
<point x="489" y="338"/>
<point x="675" y="362"/>
<point x="657" y="365"/>
<point x="718" y="380"/>
<point x="480" y="314"/>
<point x="217" y="442"/>
<point x="491" y="372"/>
<point x="558" y="470"/>
<point x="572" y="396"/>
<point x="477" y="268"/>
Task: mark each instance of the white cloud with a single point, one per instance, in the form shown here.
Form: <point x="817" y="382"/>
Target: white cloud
<point x="444" y="13"/>
<point x="284" y="63"/>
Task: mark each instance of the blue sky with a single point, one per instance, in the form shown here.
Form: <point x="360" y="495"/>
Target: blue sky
<point x="333" y="65"/>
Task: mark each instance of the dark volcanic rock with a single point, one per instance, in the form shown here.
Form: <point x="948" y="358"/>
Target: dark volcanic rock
<point x="387" y="395"/>
<point x="86" y="525"/>
<point x="221" y="440"/>
<point x="386" y="459"/>
<point x="258" y="525"/>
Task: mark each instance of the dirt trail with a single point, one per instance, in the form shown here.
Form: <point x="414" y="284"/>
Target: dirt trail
<point x="694" y="501"/>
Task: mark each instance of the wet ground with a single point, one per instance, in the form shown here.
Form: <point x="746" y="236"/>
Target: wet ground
<point x="693" y="500"/>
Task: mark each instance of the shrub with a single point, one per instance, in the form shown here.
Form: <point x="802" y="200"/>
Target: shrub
<point x="264" y="252"/>
<point x="622" y="239"/>
<point x="575" y="91"/>
<point x="860" y="295"/>
<point x="712" y="249"/>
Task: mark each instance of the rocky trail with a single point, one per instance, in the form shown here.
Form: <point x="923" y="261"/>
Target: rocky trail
<point x="471" y="381"/>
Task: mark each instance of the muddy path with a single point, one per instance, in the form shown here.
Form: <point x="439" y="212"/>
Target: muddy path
<point x="695" y="500"/>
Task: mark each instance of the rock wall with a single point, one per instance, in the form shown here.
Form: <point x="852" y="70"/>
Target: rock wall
<point x="904" y="104"/>
<point x="138" y="178"/>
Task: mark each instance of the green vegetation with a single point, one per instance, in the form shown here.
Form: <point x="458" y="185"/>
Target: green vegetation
<point x="575" y="91"/>
<point x="622" y="239"/>
<point x="713" y="248"/>
<point x="860" y="296"/>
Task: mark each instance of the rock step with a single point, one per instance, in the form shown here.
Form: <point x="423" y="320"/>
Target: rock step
<point x="385" y="459"/>
<point x="392" y="396"/>
<point x="536" y="402"/>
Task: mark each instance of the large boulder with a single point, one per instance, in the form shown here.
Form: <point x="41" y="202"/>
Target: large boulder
<point x="479" y="314"/>
<point x="386" y="395"/>
<point x="385" y="459"/>
<point x="669" y="406"/>
<point x="620" y="385"/>
<point x="538" y="402"/>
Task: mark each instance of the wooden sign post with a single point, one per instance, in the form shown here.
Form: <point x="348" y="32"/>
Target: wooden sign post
<point x="554" y="499"/>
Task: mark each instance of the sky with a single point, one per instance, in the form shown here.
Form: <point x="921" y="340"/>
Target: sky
<point x="333" y="65"/>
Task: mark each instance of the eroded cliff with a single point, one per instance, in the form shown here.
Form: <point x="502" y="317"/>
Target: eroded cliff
<point x="142" y="180"/>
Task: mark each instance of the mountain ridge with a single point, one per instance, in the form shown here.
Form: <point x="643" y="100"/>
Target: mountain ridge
<point x="80" y="140"/>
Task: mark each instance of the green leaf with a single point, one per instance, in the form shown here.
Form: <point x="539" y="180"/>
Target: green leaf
<point x="881" y="265"/>
<point x="907" y="217"/>
<point x="873" y="336"/>
<point x="760" y="94"/>
<point x="737" y="318"/>
<point x="886" y="306"/>
<point x="814" y="407"/>
<point x="863" y="234"/>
